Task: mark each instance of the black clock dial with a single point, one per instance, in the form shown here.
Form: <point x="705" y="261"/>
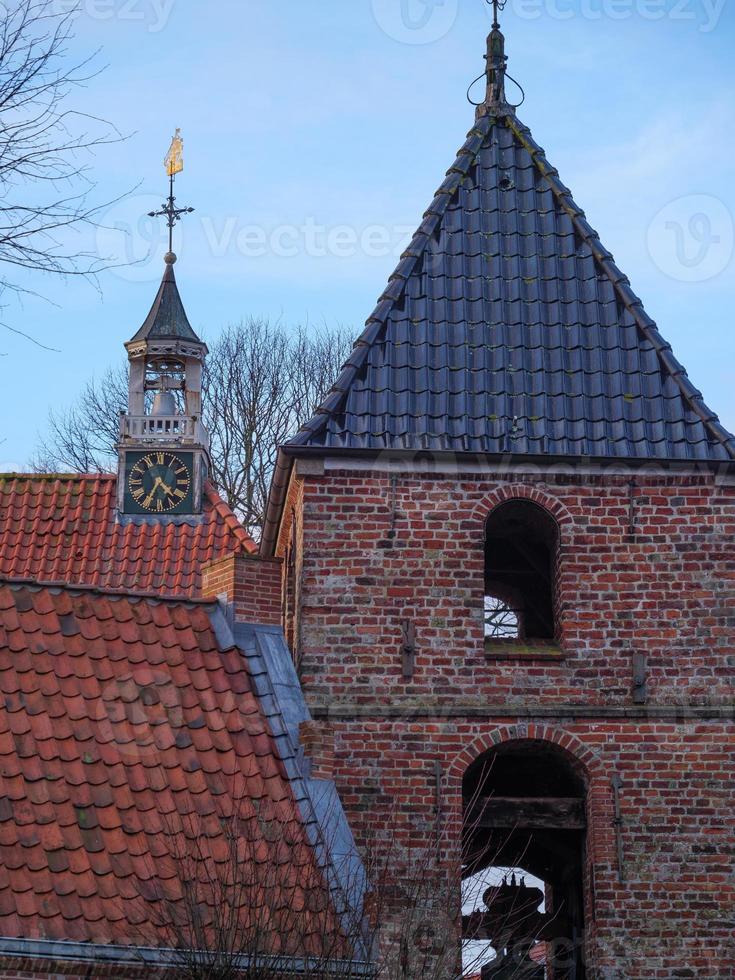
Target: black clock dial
<point x="159" y="482"/>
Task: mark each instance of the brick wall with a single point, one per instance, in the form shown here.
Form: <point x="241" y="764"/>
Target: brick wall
<point x="317" y="741"/>
<point x="667" y="591"/>
<point x="251" y="584"/>
<point x="644" y="570"/>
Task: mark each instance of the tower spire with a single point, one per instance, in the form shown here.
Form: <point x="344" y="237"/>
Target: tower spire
<point x="497" y="61"/>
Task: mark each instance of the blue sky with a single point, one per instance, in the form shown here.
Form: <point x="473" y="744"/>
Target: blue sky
<point x="317" y="132"/>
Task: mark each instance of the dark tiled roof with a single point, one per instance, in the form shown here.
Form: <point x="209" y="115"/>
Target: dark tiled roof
<point x="65" y="528"/>
<point x="507" y="328"/>
<point x="167" y="319"/>
<point x="128" y="727"/>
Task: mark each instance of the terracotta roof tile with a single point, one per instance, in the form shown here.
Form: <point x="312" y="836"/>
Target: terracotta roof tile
<point x="117" y="748"/>
<point x="65" y="528"/>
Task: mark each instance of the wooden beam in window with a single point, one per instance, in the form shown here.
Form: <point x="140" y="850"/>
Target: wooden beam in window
<point x="528" y="813"/>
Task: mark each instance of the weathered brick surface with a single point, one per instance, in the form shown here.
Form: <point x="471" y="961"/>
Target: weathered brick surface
<point x="251" y="584"/>
<point x="317" y="740"/>
<point x="377" y="549"/>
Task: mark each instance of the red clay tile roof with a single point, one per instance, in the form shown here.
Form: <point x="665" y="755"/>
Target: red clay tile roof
<point x="64" y="528"/>
<point x="123" y="724"/>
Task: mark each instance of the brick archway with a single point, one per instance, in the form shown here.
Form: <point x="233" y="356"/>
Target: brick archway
<point x="495" y="777"/>
<point x="600" y="803"/>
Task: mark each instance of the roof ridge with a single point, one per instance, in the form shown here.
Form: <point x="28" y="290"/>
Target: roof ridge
<point x="433" y="215"/>
<point x="603" y="258"/>
<point x="63" y="586"/>
<point x="49" y="476"/>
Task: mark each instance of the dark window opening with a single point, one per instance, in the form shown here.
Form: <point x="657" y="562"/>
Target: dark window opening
<point x="524" y="846"/>
<point x="520" y="551"/>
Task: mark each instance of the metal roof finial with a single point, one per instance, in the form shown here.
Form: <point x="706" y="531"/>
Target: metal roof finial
<point x="496" y="62"/>
<point x="496" y="71"/>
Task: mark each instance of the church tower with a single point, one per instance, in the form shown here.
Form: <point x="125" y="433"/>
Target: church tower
<point x="164" y="446"/>
<point x="510" y="587"/>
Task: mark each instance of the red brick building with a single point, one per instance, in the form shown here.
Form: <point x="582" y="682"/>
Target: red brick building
<point x="508" y="537"/>
<point x="502" y="557"/>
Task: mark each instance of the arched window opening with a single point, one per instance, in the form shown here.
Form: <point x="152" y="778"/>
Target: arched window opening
<point x="521" y="541"/>
<point x="524" y="843"/>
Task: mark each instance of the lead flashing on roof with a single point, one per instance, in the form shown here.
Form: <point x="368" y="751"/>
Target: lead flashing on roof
<point x="112" y="955"/>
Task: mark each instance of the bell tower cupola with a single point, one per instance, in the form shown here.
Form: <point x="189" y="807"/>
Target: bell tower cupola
<point x="164" y="447"/>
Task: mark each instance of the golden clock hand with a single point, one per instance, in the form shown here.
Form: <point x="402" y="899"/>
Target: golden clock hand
<point x="149" y="499"/>
<point x="165" y="487"/>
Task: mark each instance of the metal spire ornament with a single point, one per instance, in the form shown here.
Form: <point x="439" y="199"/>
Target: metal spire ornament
<point x="174" y="164"/>
<point x="496" y="61"/>
<point x="496" y="71"/>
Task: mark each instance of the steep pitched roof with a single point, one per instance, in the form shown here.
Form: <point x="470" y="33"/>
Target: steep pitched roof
<point x="65" y="528"/>
<point x="132" y="746"/>
<point x="167" y="319"/>
<point x="507" y="328"/>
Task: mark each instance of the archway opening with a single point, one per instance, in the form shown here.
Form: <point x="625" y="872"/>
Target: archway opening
<point x="524" y="846"/>
<point x="521" y="541"/>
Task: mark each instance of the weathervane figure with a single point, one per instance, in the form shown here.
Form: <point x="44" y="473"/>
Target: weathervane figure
<point x="174" y="164"/>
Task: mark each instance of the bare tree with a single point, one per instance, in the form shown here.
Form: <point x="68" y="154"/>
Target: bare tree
<point x="259" y="907"/>
<point x="501" y="620"/>
<point x="261" y="382"/>
<point x="81" y="439"/>
<point x="45" y="186"/>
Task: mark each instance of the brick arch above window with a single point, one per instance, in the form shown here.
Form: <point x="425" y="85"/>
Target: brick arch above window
<point x="532" y="732"/>
<point x="522" y="491"/>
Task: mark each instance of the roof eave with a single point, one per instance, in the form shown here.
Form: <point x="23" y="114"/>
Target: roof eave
<point x="277" y="498"/>
<point x="142" y="956"/>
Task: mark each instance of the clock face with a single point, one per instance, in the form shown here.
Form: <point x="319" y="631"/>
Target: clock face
<point x="159" y="483"/>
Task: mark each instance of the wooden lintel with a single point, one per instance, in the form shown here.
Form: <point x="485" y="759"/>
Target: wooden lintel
<point x="528" y="813"/>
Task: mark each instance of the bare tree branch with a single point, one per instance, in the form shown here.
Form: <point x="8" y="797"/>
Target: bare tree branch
<point x="45" y="185"/>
